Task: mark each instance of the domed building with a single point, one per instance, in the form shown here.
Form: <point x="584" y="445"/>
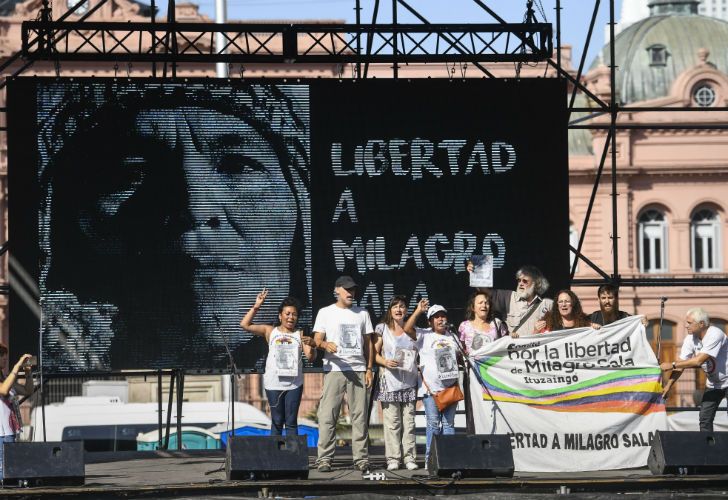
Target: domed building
<point x="672" y="170"/>
<point x="652" y="53"/>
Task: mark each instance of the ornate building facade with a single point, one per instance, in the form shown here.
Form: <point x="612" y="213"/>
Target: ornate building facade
<point x="672" y="182"/>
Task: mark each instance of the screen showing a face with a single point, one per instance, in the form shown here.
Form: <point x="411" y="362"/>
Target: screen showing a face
<point x="151" y="214"/>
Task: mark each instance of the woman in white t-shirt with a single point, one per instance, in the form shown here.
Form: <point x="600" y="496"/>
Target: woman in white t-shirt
<point x="397" y="390"/>
<point x="438" y="364"/>
<point x="283" y="377"/>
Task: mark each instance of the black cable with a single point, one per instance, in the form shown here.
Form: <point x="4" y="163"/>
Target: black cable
<point x="219" y="469"/>
<point x="423" y="482"/>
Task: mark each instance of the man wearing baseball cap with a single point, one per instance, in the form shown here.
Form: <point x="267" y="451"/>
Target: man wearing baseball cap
<point x="342" y="330"/>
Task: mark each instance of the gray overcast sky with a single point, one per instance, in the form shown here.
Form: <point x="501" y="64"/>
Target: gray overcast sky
<point x="574" y="18"/>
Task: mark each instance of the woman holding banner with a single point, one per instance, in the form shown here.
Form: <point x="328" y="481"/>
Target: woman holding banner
<point x="283" y="377"/>
<point x="480" y="325"/>
<point x="396" y="353"/>
<point x="438" y="368"/>
<point x="567" y="313"/>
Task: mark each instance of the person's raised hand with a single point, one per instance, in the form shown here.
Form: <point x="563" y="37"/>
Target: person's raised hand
<point x="261" y="298"/>
<point x="423" y="305"/>
<point x="21" y="362"/>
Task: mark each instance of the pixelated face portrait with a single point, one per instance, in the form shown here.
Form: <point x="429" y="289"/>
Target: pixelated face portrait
<point x="446" y="361"/>
<point x="167" y="209"/>
<point x="285" y="360"/>
<point x="348" y="336"/>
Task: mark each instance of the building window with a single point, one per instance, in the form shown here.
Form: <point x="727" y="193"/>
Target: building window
<point x="574" y="242"/>
<point x="658" y="55"/>
<point x="652" y="234"/>
<point x="704" y="95"/>
<point x="653" y="329"/>
<point x="705" y="241"/>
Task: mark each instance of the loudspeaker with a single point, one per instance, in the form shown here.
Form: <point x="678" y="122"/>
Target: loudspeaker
<point x="478" y="455"/>
<point x="689" y="453"/>
<point x="267" y="457"/>
<point x="44" y="464"/>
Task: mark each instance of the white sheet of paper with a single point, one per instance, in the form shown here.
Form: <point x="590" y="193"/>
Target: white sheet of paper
<point x="349" y="340"/>
<point x="447" y="367"/>
<point x="482" y="275"/>
<point x="405" y="358"/>
<point x="286" y="357"/>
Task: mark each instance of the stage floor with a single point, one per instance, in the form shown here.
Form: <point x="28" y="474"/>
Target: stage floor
<point x="198" y="474"/>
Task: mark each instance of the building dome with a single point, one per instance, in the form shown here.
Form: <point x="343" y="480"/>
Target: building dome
<point x="651" y="53"/>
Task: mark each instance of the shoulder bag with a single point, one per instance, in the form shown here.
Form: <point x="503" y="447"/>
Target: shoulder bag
<point x="446" y="397"/>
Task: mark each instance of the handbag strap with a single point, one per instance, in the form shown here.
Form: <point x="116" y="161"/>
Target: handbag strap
<point x="422" y="376"/>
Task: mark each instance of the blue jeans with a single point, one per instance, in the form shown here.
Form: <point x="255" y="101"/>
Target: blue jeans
<point x="284" y="410"/>
<point x="4" y="439"/>
<point x="437" y="422"/>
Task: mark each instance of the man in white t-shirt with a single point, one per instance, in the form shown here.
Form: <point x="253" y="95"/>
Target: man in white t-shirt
<point x="343" y="331"/>
<point x="707" y="347"/>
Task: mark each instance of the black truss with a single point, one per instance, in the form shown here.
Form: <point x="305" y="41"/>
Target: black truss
<point x="286" y="43"/>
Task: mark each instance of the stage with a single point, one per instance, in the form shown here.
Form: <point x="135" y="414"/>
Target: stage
<point x="200" y="474"/>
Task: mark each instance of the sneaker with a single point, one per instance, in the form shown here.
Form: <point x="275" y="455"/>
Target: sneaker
<point x="362" y="465"/>
<point x="324" y="467"/>
<point x="412" y="466"/>
<point x="392" y="465"/>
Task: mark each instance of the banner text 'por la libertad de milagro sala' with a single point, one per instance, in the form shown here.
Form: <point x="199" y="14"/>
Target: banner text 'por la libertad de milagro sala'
<point x="575" y="400"/>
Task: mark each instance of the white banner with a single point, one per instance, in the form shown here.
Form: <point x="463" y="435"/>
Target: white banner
<point x="572" y="400"/>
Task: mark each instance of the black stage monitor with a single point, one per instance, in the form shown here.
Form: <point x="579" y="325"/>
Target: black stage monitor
<point x="149" y="214"/>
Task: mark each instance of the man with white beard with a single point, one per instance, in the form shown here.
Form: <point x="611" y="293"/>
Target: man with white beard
<point x="524" y="308"/>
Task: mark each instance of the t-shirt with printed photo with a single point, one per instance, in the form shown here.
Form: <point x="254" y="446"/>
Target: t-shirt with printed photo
<point x="347" y="328"/>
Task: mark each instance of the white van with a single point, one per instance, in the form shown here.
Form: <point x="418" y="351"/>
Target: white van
<point x="108" y="424"/>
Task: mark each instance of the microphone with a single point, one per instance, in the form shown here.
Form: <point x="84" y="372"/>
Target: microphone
<point x="663" y="299"/>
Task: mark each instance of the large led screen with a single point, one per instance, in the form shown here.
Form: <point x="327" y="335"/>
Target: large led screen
<point x="152" y="213"/>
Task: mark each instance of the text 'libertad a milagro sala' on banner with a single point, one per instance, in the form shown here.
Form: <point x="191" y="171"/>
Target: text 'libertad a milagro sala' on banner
<point x="572" y="400"/>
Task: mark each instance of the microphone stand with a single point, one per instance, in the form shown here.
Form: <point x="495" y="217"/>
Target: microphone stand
<point x="659" y="336"/>
<point x="466" y="379"/>
<point x="469" y="366"/>
<point x="233" y="370"/>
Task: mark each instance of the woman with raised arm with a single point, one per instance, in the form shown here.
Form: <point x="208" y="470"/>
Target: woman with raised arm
<point x="438" y="367"/>
<point x="283" y="377"/>
<point x="397" y="391"/>
<point x="480" y="325"/>
<point x="10" y="422"/>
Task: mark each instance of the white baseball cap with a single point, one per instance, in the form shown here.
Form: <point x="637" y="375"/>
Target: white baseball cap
<point x="434" y="309"/>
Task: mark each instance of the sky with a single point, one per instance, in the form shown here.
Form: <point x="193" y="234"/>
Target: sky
<point x="575" y="14"/>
